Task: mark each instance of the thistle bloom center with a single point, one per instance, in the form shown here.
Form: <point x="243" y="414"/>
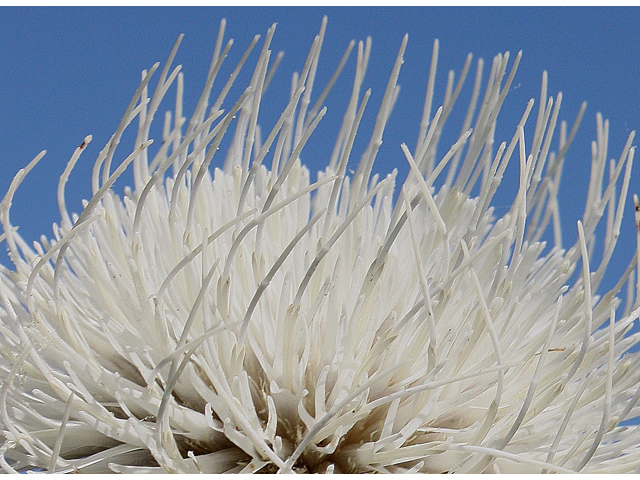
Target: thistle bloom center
<point x="251" y="318"/>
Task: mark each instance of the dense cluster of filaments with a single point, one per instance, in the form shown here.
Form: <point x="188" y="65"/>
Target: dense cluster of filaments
<point x="252" y="319"/>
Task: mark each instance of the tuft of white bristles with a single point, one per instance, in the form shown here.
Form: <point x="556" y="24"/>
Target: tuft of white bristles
<point x="250" y="319"/>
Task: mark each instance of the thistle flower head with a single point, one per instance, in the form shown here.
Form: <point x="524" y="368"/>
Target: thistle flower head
<point x="254" y="318"/>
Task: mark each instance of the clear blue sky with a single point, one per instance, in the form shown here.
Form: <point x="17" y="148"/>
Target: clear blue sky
<point x="69" y="72"/>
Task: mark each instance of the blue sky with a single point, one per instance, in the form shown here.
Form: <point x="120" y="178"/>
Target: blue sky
<point x="69" y="72"/>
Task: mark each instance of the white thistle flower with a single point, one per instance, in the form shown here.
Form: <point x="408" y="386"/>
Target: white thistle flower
<point x="254" y="320"/>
